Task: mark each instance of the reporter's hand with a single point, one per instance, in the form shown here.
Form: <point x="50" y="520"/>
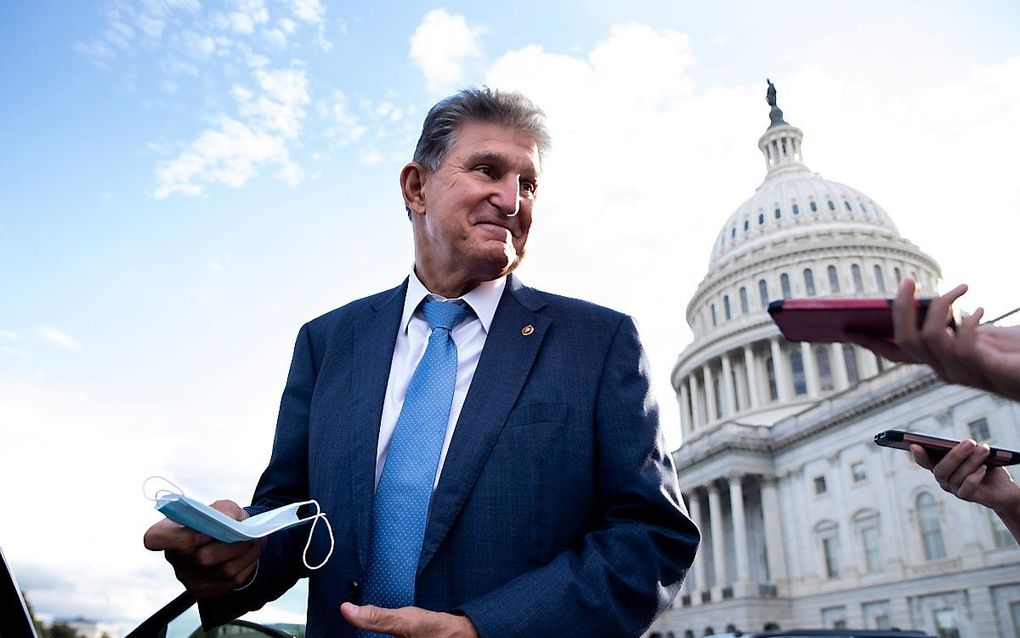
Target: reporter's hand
<point x="986" y="357"/>
<point x="207" y="568"/>
<point x="408" y="622"/>
<point x="963" y="474"/>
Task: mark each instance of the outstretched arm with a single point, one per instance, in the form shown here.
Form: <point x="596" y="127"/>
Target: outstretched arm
<point x="982" y="356"/>
<point x="963" y="474"/>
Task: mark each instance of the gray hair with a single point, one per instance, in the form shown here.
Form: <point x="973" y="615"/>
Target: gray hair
<point x="482" y="104"/>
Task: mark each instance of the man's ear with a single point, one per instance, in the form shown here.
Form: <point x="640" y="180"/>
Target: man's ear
<point x="412" y="185"/>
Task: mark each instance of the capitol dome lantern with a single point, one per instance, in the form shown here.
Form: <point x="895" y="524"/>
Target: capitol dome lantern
<point x="798" y="235"/>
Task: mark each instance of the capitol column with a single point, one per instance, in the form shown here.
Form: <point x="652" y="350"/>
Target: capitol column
<point x="686" y="425"/>
<point x="696" y="421"/>
<point x="869" y="364"/>
<point x="842" y="382"/>
<point x="731" y="388"/>
<point x="776" y="555"/>
<point x="753" y="392"/>
<point x="814" y="384"/>
<point x="780" y="368"/>
<point x="710" y="405"/>
<point x="718" y="541"/>
<point x="699" y="581"/>
<point x="743" y="584"/>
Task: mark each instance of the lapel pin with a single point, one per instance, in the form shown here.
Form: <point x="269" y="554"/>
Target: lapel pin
<point x="527" y="330"/>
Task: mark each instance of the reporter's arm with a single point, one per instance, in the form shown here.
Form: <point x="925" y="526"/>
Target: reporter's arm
<point x="982" y="356"/>
<point x="963" y="474"/>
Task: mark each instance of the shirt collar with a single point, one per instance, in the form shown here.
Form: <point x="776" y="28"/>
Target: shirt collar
<point x="482" y="299"/>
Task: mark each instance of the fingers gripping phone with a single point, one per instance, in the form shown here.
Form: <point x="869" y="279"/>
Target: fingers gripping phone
<point x="938" y="447"/>
<point x="835" y="320"/>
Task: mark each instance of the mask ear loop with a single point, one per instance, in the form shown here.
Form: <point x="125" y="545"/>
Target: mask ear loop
<point x="319" y="514"/>
<point x="162" y="491"/>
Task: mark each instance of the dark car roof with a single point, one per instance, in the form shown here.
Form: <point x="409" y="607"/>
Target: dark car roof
<point x="843" y="633"/>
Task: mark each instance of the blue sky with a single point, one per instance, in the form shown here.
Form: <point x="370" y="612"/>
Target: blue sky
<point x="184" y="183"/>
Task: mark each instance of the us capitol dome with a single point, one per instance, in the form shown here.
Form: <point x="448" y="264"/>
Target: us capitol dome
<point x="798" y="235"/>
<point x="805" y="522"/>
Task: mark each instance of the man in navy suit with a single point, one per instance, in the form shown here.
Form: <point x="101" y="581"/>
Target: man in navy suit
<point x="554" y="509"/>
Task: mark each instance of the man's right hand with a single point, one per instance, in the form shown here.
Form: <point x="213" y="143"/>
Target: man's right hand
<point x="206" y="567"/>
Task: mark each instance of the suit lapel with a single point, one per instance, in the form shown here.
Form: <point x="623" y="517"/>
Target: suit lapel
<point x="372" y="356"/>
<point x="509" y="352"/>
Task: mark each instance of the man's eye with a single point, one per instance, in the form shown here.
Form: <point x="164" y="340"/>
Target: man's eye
<point x="528" y="188"/>
<point x="484" y="170"/>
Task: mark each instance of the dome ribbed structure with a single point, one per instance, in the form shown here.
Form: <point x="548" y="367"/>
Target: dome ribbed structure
<point x="798" y="235"/>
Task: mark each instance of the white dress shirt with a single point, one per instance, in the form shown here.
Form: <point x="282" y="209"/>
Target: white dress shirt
<point x="412" y="338"/>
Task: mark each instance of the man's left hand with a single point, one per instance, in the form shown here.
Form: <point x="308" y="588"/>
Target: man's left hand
<point x="408" y="622"/>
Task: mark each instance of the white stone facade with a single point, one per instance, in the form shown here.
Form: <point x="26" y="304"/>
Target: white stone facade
<point x="805" y="521"/>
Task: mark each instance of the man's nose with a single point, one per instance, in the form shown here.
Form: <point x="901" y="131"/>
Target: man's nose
<point x="507" y="195"/>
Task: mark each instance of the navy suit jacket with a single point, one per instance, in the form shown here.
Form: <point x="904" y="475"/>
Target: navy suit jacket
<point x="557" y="512"/>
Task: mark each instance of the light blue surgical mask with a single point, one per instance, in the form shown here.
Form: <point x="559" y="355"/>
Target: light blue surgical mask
<point x="206" y="520"/>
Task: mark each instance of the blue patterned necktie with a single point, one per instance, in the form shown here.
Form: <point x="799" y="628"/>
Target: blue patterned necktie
<point x="405" y="487"/>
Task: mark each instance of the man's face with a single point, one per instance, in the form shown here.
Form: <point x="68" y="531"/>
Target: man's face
<point x="478" y="203"/>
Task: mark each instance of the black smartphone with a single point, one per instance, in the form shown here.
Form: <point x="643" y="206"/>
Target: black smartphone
<point x="937" y="447"/>
<point x="831" y="320"/>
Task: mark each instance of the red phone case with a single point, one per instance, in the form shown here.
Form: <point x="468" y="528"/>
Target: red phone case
<point x="831" y="320"/>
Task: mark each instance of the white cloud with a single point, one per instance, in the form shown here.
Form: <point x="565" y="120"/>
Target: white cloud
<point x="12" y="351"/>
<point x="245" y="16"/>
<point x="342" y="127"/>
<point x="10" y="335"/>
<point x="55" y="337"/>
<point x="232" y="152"/>
<point x="106" y="450"/>
<point x="310" y="11"/>
<point x="441" y="45"/>
<point x="370" y="157"/>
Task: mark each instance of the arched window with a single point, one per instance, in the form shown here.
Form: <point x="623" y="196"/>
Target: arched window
<point x="733" y="232"/>
<point x="779" y="213"/>
<point x="726" y="307"/>
<point x="763" y="291"/>
<point x="773" y="388"/>
<point x="855" y="271"/>
<point x="814" y="207"/>
<point x="761" y="218"/>
<point x="847" y="204"/>
<point x="831" y="205"/>
<point x="931" y="529"/>
<point x="809" y="282"/>
<point x="747" y="225"/>
<point x="709" y="631"/>
<point x="833" y="279"/>
<point x="799" y="380"/>
<point x="784" y="284"/>
<point x="796" y="209"/>
<point x="863" y="207"/>
<point x="714" y="321"/>
<point x="851" y="363"/>
<point x="898" y="275"/>
<point x="824" y="369"/>
<point x="743" y="300"/>
<point x="879" y="279"/>
<point x="688" y="634"/>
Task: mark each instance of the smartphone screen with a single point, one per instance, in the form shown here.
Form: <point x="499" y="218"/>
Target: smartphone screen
<point x="937" y="447"/>
<point x="833" y="320"/>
